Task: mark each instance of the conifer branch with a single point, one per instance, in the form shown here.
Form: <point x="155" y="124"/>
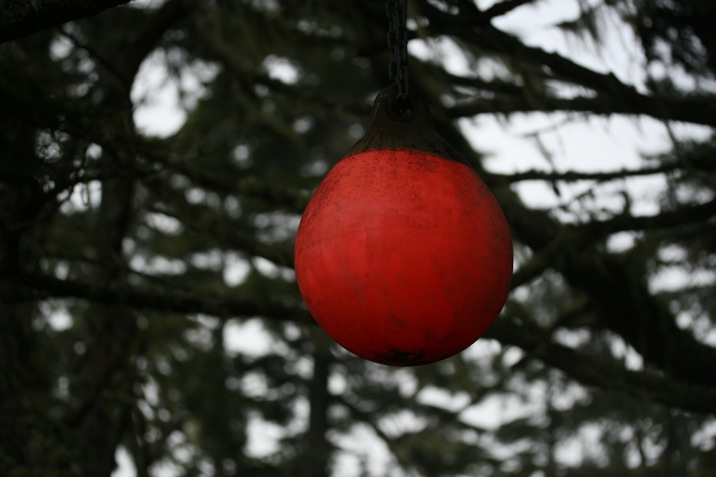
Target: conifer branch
<point x="601" y="373"/>
<point x="21" y="18"/>
<point x="30" y="287"/>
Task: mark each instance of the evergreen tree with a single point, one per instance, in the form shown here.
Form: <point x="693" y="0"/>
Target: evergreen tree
<point x="139" y="273"/>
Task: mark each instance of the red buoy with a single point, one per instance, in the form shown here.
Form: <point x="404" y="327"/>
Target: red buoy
<point x="403" y="256"/>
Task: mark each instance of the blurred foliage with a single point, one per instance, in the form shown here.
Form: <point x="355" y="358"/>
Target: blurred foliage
<point x="149" y="311"/>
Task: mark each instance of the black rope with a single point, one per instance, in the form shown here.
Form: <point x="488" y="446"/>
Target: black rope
<point x="397" y="11"/>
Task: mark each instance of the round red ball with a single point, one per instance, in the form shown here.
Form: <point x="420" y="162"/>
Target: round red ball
<point x="403" y="257"/>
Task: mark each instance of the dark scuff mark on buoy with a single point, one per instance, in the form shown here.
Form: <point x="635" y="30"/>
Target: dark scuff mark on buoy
<point x="396" y="357"/>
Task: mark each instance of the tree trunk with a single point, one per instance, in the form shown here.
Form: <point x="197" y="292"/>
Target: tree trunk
<point x="317" y="450"/>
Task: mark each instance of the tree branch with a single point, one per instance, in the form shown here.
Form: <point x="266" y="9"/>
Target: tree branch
<point x="22" y="18"/>
<point x="34" y="286"/>
<point x="601" y="373"/>
<point x="673" y="218"/>
<point x="614" y="96"/>
<point x="696" y="110"/>
<point x="506" y="6"/>
<point x="575" y="176"/>
<point x="145" y="39"/>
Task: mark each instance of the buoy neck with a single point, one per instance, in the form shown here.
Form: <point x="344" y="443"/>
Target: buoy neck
<point x="403" y="124"/>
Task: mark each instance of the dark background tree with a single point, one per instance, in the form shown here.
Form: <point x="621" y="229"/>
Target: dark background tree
<point x="148" y="309"/>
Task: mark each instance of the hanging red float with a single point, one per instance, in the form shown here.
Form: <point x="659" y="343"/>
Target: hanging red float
<point x="403" y="256"/>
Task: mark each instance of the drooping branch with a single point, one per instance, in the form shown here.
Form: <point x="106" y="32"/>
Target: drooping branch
<point x="696" y="110"/>
<point x="577" y="237"/>
<point x="22" y="18"/>
<point x="613" y="96"/>
<point x="146" y="38"/>
<point x="281" y="255"/>
<point x="610" y="376"/>
<point x="576" y="176"/>
<point x="621" y="296"/>
<point x="33" y="286"/>
<point x="292" y="200"/>
<point x="680" y="216"/>
<point x="506" y="6"/>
